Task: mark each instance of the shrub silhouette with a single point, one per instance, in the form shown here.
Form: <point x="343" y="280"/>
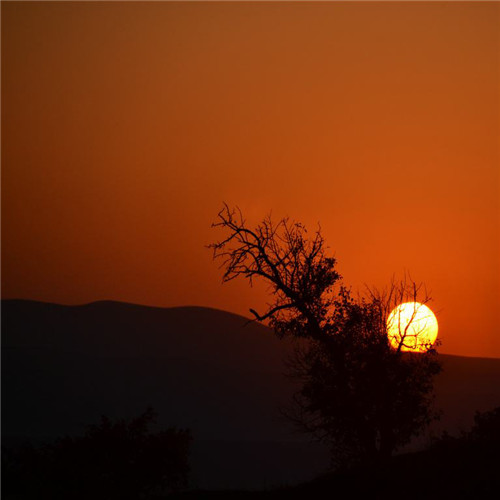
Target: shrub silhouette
<point x="486" y="428"/>
<point x="483" y="438"/>
<point x="112" y="460"/>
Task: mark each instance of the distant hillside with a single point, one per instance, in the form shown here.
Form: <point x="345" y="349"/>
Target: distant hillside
<point x="64" y="366"/>
<point x="198" y="367"/>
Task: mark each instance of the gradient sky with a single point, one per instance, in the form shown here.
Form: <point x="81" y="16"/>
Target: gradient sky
<point x="125" y="126"/>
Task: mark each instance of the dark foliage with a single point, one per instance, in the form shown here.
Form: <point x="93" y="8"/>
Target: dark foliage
<point x="486" y="428"/>
<point x="483" y="438"/>
<point x="361" y="396"/>
<point x="112" y="460"/>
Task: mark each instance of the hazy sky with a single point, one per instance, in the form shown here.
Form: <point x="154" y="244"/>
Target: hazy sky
<point x="125" y="126"/>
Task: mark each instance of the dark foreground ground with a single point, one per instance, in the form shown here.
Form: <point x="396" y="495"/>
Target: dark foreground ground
<point x="450" y="470"/>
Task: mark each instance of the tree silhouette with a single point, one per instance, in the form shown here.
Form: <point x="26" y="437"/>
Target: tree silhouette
<point x="112" y="460"/>
<point x="358" y="394"/>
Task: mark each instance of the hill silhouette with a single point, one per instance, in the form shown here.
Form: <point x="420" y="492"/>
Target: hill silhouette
<point x="206" y="369"/>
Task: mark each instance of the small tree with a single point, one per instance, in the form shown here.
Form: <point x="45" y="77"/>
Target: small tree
<point x="357" y="393"/>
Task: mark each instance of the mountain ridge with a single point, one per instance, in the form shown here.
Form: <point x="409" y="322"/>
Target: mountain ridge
<point x="119" y="303"/>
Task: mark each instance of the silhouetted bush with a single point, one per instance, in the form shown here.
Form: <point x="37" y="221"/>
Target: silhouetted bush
<point x="484" y="434"/>
<point x="112" y="460"/>
<point x="486" y="428"/>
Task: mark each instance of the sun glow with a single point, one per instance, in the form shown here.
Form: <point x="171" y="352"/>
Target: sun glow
<point x="412" y="327"/>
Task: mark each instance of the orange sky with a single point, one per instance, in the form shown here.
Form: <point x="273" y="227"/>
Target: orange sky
<point x="125" y="126"/>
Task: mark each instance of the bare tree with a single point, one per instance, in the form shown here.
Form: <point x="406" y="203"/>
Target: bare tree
<point x="300" y="274"/>
<point x="407" y="324"/>
<point x="357" y="393"/>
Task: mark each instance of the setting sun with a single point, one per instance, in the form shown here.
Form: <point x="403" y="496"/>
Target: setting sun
<point x="413" y="326"/>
